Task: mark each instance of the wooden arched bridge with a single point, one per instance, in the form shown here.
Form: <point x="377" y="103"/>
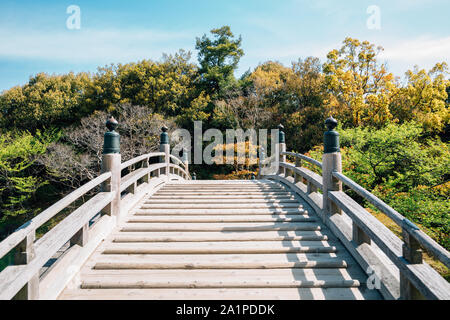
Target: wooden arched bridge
<point x="151" y="232"/>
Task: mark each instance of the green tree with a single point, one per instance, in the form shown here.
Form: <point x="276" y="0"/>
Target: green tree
<point x="395" y="156"/>
<point x="45" y="101"/>
<point x="165" y="86"/>
<point x="19" y="178"/>
<point x="218" y="58"/>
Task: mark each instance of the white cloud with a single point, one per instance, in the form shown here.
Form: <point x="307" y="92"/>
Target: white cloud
<point x="423" y="51"/>
<point x="90" y="45"/>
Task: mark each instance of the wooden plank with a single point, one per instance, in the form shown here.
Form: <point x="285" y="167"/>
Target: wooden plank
<point x="144" y="283"/>
<point x="262" y="226"/>
<point x="224" y="186"/>
<point x="220" y="218"/>
<point x="226" y="274"/>
<point x="222" y="198"/>
<point x="222" y="193"/>
<point x="222" y="294"/>
<point x="247" y="211"/>
<point x="174" y="200"/>
<point x="220" y="247"/>
<point x="219" y="261"/>
<point x="190" y="186"/>
<point x="218" y="236"/>
<point x="237" y="181"/>
<point x="220" y="206"/>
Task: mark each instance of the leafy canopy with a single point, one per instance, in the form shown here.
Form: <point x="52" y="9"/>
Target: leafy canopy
<point x="218" y="58"/>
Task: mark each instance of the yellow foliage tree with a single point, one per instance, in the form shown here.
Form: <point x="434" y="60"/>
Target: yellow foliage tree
<point x="423" y="99"/>
<point x="244" y="155"/>
<point x="360" y="88"/>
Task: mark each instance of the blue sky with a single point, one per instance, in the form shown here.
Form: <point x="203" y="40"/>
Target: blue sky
<point x="34" y="37"/>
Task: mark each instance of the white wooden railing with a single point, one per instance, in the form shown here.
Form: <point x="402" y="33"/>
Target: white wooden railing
<point x="397" y="263"/>
<point x="118" y="194"/>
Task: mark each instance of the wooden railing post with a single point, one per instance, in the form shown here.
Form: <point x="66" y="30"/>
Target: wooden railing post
<point x="281" y="148"/>
<point x="185" y="160"/>
<point x="412" y="253"/>
<point x="165" y="147"/>
<point x="24" y="254"/>
<point x="111" y="161"/>
<point x="359" y="236"/>
<point x="298" y="164"/>
<point x="262" y="158"/>
<point x="146" y="164"/>
<point x="331" y="161"/>
<point x="310" y="188"/>
<point x="81" y="237"/>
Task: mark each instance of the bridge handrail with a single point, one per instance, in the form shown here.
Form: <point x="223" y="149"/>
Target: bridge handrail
<point x="135" y="175"/>
<point x="303" y="157"/>
<point x="310" y="176"/>
<point x="406" y="275"/>
<point x="15" y="277"/>
<point x="14" y="239"/>
<point x="22" y="279"/>
<point x="186" y="175"/>
<point x="133" y="161"/>
<point x="177" y="161"/>
<point x="429" y="244"/>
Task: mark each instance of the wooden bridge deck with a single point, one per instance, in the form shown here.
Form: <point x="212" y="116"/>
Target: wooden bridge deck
<point x="221" y="240"/>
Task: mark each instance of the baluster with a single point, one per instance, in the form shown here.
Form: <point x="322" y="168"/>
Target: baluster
<point x="331" y="161"/>
<point x="185" y="160"/>
<point x="262" y="158"/>
<point x="359" y="236"/>
<point x="81" y="237"/>
<point x="24" y="254"/>
<point x="145" y="164"/>
<point x="281" y="148"/>
<point x="298" y="164"/>
<point x="412" y="253"/>
<point x="310" y="188"/>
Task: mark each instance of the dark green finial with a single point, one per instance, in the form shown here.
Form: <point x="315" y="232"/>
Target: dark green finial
<point x="164" y="135"/>
<point x="281" y="138"/>
<point x="253" y="176"/>
<point x="331" y="123"/>
<point x="111" y="142"/>
<point x="194" y="176"/>
<point x="331" y="137"/>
